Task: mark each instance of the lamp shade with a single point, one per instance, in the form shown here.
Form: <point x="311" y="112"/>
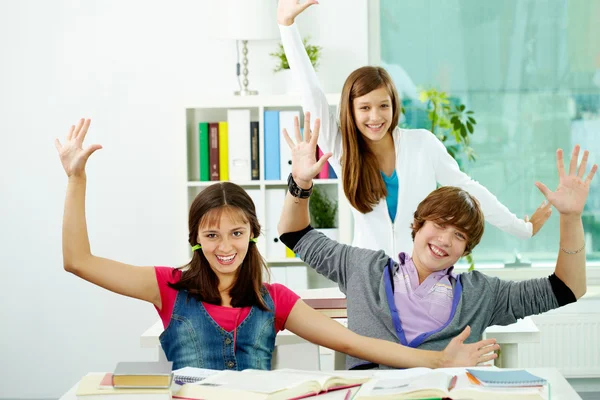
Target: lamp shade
<point x="247" y="19"/>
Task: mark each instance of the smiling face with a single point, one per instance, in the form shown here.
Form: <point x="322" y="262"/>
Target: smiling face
<point x="224" y="235"/>
<point x="447" y="225"/>
<point x="438" y="246"/>
<point x="373" y="114"/>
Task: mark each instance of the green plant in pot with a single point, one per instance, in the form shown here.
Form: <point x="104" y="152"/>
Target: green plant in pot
<point x="451" y="123"/>
<point x="314" y="54"/>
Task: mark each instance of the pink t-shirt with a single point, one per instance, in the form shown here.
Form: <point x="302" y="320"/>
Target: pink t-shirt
<point x="283" y="299"/>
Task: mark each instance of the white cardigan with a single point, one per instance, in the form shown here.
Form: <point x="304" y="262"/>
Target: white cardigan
<point x="421" y="162"/>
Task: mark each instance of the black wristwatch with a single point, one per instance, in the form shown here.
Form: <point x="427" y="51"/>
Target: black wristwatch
<point x="296" y="190"/>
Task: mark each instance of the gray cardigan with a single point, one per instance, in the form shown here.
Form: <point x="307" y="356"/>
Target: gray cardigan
<point x="361" y="276"/>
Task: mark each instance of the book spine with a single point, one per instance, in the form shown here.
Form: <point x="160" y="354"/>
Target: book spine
<point x="223" y="152"/>
<point x="324" y="173"/>
<point x="272" y="135"/>
<point x="204" y="149"/>
<point x="255" y="156"/>
<point x="213" y="128"/>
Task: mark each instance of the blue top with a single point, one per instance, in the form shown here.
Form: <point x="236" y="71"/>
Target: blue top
<point x="391" y="184"/>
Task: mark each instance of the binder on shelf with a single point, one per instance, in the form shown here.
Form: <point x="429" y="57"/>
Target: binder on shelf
<point x="239" y="144"/>
<point x="223" y="151"/>
<point x="204" y="151"/>
<point x="213" y="129"/>
<point x="254" y="151"/>
<point x="324" y="172"/>
<point x="286" y="121"/>
<point x="272" y="139"/>
<point x="274" y="203"/>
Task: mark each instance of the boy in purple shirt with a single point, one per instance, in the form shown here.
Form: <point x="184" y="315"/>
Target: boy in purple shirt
<point x="419" y="302"/>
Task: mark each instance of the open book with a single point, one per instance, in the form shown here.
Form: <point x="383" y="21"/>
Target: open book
<point x="268" y="385"/>
<point x="422" y="383"/>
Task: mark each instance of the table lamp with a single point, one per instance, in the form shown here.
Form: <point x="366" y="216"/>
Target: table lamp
<point x="247" y="20"/>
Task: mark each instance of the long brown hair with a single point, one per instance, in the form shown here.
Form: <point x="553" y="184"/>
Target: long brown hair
<point x="363" y="185"/>
<point x="199" y="280"/>
<point x="454" y="206"/>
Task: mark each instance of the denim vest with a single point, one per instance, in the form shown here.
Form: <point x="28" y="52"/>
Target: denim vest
<point x="194" y="339"/>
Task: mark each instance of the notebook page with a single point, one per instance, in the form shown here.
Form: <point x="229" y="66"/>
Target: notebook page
<point x="266" y="382"/>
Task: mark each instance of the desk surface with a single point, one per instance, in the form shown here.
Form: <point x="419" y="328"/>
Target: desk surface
<point x="559" y="387"/>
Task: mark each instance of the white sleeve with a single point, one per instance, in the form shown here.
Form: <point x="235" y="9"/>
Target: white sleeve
<point x="313" y="98"/>
<point x="447" y="173"/>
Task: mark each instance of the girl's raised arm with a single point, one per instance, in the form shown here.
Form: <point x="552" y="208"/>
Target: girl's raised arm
<point x="128" y="280"/>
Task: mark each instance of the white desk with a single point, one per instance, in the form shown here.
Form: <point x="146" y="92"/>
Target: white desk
<point x="509" y="337"/>
<point x="560" y="389"/>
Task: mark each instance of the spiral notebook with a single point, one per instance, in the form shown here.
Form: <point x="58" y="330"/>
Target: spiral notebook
<point x="192" y="375"/>
<point x="510" y="378"/>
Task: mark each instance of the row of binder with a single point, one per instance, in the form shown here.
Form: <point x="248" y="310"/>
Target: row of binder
<point x="230" y="150"/>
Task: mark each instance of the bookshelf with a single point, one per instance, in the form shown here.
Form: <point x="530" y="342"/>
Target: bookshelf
<point x="267" y="194"/>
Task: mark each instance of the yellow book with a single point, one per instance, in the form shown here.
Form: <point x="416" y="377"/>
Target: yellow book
<point x="223" y="151"/>
<point x="289" y="253"/>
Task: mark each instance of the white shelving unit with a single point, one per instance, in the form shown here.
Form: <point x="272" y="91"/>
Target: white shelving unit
<point x="262" y="191"/>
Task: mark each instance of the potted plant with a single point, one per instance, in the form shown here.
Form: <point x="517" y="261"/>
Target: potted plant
<point x="283" y="67"/>
<point x="451" y="123"/>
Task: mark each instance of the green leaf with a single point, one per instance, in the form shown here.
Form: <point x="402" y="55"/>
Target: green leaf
<point x="470" y="127"/>
<point x="463" y="131"/>
<point x="469" y="112"/>
<point x="472" y="120"/>
<point x="461" y="107"/>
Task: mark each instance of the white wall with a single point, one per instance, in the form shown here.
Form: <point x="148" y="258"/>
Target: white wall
<point x="131" y="66"/>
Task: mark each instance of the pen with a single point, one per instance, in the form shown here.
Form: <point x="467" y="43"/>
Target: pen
<point x="348" y="394"/>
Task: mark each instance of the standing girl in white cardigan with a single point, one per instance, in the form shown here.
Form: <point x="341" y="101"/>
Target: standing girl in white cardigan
<point x="386" y="171"/>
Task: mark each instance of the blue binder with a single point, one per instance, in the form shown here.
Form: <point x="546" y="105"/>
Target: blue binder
<point x="272" y="138"/>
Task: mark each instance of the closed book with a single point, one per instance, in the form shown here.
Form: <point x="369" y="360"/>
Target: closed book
<point x="254" y="152"/>
<point x="204" y="148"/>
<point x="326" y="303"/>
<point x="239" y="145"/>
<point x="286" y="121"/>
<point x="148" y="374"/>
<point x="223" y="152"/>
<point x="272" y="139"/>
<point x="90" y="388"/>
<point x="324" y="172"/>
<point x="213" y="130"/>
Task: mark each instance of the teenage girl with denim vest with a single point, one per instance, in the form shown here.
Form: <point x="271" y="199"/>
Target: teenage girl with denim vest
<point x="216" y="310"/>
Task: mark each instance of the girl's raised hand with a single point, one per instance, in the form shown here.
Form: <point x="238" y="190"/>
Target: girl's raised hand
<point x="72" y="154"/>
<point x="288" y="10"/>
<point x="304" y="163"/>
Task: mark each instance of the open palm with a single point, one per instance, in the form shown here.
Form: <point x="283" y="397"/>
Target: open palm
<point x="304" y="163"/>
<point x="288" y="10"/>
<point x="72" y="154"/>
<point x="572" y="191"/>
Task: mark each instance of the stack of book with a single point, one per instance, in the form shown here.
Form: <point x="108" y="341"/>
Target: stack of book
<point x="130" y="380"/>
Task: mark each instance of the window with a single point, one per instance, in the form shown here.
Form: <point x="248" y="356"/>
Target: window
<point x="530" y="70"/>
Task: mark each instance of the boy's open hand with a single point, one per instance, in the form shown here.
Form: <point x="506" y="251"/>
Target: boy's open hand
<point x="72" y="154"/>
<point x="571" y="194"/>
<point x="304" y="164"/>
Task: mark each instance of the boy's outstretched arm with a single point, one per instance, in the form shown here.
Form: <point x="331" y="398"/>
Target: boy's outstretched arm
<point x="569" y="200"/>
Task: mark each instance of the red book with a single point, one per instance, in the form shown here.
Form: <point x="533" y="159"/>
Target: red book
<point x="324" y="173"/>
<point x="213" y="145"/>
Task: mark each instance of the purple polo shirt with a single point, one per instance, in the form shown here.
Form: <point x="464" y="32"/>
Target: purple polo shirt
<point x="425" y="307"/>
